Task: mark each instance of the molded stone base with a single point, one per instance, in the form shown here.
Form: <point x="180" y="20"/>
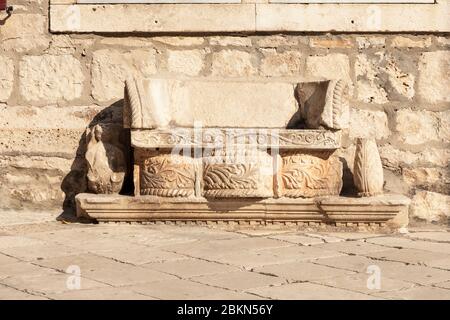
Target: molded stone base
<point x="329" y="210"/>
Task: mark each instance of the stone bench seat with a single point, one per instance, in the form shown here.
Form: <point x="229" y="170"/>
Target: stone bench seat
<point x="254" y="150"/>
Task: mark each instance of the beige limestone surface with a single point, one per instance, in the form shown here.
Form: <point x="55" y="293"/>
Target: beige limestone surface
<point x="54" y="85"/>
<point x="38" y="260"/>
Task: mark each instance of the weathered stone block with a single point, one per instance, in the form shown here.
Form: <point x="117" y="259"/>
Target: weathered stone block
<point x="188" y="62"/>
<point x="332" y="66"/>
<point x="276" y="41"/>
<point x="416" y="127"/>
<point x="430" y="206"/>
<point x="370" y="42"/>
<point x="66" y="44"/>
<point x="230" y="41"/>
<point x="434" y="79"/>
<point x="27" y="117"/>
<point x="50" y="78"/>
<point x="406" y="42"/>
<point x="179" y="17"/>
<point x="286" y="63"/>
<point x="6" y="77"/>
<point x="368" y="124"/>
<point x="395" y="158"/>
<point x="380" y="78"/>
<point x="334" y="42"/>
<point x="433" y="179"/>
<point x="213" y="103"/>
<point x="62" y="142"/>
<point x="180" y="41"/>
<point x="232" y="63"/>
<point x="24" y="32"/>
<point x="111" y="67"/>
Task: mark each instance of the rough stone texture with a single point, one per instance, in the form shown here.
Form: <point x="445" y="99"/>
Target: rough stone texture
<point x="50" y="78"/>
<point x="111" y="67"/>
<point x="32" y="29"/>
<point x="380" y="79"/>
<point x="407" y="42"/>
<point x="189" y="62"/>
<point x="394" y="158"/>
<point x="433" y="179"/>
<point x="401" y="88"/>
<point x="232" y="63"/>
<point x="332" y="66"/>
<point x="368" y="124"/>
<point x="370" y="42"/>
<point x="231" y="41"/>
<point x="6" y="78"/>
<point x="192" y="262"/>
<point x="286" y="63"/>
<point x="331" y="43"/>
<point x="430" y="206"/>
<point x="434" y="76"/>
<point x="216" y="103"/>
<point x="417" y="127"/>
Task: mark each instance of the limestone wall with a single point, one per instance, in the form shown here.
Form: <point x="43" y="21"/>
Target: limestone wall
<point x="54" y="85"/>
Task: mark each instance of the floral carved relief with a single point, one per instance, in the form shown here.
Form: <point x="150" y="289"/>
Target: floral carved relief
<point x="167" y="175"/>
<point x="305" y="175"/>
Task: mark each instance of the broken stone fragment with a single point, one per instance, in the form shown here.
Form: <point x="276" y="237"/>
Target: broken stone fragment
<point x="324" y="104"/>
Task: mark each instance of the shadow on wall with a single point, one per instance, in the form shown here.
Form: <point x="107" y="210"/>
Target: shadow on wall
<point x="75" y="182"/>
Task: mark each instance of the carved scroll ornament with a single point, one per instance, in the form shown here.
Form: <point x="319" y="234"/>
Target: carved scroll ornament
<point x="167" y="175"/>
<point x="305" y="175"/>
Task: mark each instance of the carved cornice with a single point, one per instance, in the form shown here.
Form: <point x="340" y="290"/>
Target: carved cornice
<point x="216" y="138"/>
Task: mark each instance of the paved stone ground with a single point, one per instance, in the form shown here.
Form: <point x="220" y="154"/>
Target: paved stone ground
<point x="39" y="258"/>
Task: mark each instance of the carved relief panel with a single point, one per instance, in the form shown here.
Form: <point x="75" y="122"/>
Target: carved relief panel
<point x="238" y="173"/>
<point x="166" y="175"/>
<point x="308" y="174"/>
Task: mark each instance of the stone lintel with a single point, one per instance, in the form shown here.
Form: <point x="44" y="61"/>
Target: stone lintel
<point x="220" y="137"/>
<point x="249" y="17"/>
<point x="282" y="210"/>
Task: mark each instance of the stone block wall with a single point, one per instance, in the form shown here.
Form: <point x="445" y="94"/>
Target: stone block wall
<point x="52" y="86"/>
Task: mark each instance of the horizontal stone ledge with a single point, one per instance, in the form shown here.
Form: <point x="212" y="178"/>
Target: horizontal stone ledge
<point x="282" y="210"/>
<point x="215" y="137"/>
<point x="353" y="17"/>
<point x="249" y="17"/>
<point x="130" y="18"/>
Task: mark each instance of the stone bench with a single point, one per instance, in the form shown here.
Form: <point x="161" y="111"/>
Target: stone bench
<point x="206" y="150"/>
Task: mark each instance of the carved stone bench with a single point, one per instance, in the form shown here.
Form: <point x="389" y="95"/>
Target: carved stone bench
<point x="208" y="151"/>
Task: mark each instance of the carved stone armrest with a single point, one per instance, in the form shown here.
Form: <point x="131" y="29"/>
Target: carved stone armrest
<point x="324" y="104"/>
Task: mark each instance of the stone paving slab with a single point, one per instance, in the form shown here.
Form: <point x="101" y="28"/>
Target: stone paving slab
<point x="105" y="270"/>
<point x="358" y="283"/>
<point x="48" y="284"/>
<point x="310" y="291"/>
<point x="301" y="271"/>
<point x="239" y="280"/>
<point x="188" y="268"/>
<point x="403" y="242"/>
<point x="418" y="293"/>
<point x="8" y="293"/>
<point x="123" y="261"/>
<point x="108" y="293"/>
<point x="409" y="256"/>
<point x="11" y="218"/>
<point x="431" y="236"/>
<point x="179" y="289"/>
